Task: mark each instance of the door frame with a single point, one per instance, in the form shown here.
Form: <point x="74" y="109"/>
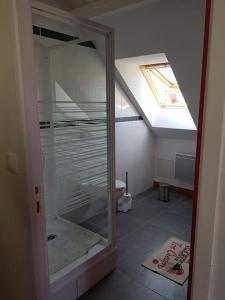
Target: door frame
<point x="23" y="10"/>
<point x="208" y="4"/>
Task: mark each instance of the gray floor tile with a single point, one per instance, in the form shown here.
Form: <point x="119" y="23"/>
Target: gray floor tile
<point x="174" y="196"/>
<point x="146" y="210"/>
<point x="116" y="286"/>
<point x="172" y="222"/>
<point x="139" y="234"/>
<point x="127" y="224"/>
<point x="136" y="291"/>
<point x="151" y="198"/>
<point x="148" y="237"/>
<point x="134" y="241"/>
<point x="162" y="285"/>
<point x="182" y="208"/>
<point x="147" y="193"/>
<point x="131" y="264"/>
<point x="157" y="236"/>
<point x="109" y="288"/>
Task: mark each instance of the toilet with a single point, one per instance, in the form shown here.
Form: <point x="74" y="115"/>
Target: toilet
<point x="98" y="188"/>
<point x="120" y="189"/>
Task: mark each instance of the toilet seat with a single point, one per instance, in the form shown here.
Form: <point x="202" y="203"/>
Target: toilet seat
<point x="120" y="184"/>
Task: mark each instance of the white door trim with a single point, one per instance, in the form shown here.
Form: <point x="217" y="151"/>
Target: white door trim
<point x="25" y="66"/>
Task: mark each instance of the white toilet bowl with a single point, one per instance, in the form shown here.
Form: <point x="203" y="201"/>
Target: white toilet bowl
<point x="120" y="189"/>
<point x="98" y="188"/>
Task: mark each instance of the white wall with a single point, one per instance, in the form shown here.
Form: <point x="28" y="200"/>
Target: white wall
<point x="165" y="151"/>
<point x="135" y="154"/>
<point x="135" y="146"/>
<point x="172" y="27"/>
<point x="123" y="106"/>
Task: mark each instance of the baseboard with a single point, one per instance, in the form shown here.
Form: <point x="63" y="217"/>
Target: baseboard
<point x="176" y="189"/>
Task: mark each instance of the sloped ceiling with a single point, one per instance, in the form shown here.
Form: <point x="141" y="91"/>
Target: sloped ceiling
<point x="129" y="68"/>
<point x="135" y="90"/>
<point x="172" y="27"/>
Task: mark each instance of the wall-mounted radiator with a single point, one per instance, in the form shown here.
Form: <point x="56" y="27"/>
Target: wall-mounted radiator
<point x="185" y="167"/>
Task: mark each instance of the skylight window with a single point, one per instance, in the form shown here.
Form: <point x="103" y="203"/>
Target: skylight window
<point x="163" y="85"/>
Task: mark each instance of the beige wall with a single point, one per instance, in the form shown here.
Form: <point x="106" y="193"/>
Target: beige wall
<point x="210" y="252"/>
<point x="15" y="247"/>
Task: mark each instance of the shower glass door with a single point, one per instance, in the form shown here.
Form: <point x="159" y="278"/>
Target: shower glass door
<point x="74" y="99"/>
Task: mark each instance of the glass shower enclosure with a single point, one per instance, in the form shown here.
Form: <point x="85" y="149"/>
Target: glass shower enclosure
<point x="76" y="116"/>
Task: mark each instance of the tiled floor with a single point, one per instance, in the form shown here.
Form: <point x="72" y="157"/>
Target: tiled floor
<point x="139" y="233"/>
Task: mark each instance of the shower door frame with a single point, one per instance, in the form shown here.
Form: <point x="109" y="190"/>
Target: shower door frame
<point x="23" y="11"/>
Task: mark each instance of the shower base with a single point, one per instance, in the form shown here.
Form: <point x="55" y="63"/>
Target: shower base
<point x="70" y="246"/>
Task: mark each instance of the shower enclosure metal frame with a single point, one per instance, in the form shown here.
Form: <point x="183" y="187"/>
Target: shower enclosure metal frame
<point x="98" y="266"/>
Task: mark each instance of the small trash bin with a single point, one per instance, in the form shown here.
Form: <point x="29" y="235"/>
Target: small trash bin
<point x="164" y="192"/>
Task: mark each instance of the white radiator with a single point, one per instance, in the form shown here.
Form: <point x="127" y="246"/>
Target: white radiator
<point x="185" y="167"/>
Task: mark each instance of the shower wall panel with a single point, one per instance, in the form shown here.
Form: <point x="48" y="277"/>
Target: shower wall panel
<point x="74" y="100"/>
<point x="80" y="133"/>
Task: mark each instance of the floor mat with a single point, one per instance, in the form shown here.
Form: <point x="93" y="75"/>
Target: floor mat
<point x="171" y="260"/>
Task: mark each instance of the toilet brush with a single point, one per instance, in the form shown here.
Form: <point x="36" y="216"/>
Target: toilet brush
<point x="126" y="183"/>
<point x="125" y="202"/>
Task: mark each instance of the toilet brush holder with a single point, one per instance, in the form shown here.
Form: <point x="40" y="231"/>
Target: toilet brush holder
<point x="125" y="203"/>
